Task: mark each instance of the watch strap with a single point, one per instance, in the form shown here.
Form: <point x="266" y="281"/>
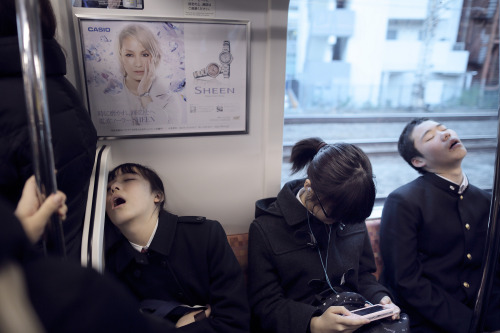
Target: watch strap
<point x="200" y="73"/>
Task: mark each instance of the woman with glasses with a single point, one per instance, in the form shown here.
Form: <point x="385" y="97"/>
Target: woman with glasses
<point x="312" y="239"/>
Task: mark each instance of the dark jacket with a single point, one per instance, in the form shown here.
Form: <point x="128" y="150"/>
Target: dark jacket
<point x="191" y="262"/>
<point x="65" y="296"/>
<point x="73" y="134"/>
<point x="432" y="244"/>
<point x="284" y="264"/>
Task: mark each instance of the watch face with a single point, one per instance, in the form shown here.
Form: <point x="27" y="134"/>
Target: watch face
<point x="213" y="70"/>
<point x="225" y="57"/>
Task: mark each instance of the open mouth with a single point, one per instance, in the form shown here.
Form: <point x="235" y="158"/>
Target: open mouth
<point x="454" y="142"/>
<point x="118" y="201"/>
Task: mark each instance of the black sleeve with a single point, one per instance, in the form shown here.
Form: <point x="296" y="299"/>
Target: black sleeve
<point x="70" y="298"/>
<point x="271" y="308"/>
<point x="14" y="244"/>
<point x="228" y="299"/>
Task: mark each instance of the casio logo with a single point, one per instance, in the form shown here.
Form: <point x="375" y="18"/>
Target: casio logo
<point x="99" y="29"/>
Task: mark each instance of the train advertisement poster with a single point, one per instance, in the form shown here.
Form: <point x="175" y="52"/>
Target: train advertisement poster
<point x="165" y="78"/>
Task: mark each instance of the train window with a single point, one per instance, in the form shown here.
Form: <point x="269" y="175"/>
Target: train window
<point x="358" y="71"/>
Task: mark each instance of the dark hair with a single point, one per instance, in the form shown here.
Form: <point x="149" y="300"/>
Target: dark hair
<point x="149" y="174"/>
<point x="406" y="145"/>
<point x="340" y="174"/>
<point x="8" y="25"/>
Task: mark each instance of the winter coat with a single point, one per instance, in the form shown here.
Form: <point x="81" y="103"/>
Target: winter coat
<point x="73" y="135"/>
<point x="286" y="270"/>
<point x="190" y="262"/>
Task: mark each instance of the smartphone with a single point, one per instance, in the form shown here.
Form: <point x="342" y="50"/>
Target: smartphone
<point x="374" y="312"/>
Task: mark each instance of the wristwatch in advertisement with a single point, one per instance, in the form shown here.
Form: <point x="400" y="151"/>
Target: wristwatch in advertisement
<point x="211" y="70"/>
<point x="225" y="58"/>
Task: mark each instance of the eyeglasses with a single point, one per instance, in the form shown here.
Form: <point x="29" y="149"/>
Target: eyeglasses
<point x="322" y="208"/>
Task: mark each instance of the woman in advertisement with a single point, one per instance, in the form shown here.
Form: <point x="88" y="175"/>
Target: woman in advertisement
<point x="148" y="99"/>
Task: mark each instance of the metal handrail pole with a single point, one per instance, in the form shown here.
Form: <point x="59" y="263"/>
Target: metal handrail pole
<point x="30" y="46"/>
<point x="492" y="252"/>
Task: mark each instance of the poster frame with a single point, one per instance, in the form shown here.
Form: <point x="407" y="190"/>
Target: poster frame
<point x="242" y="110"/>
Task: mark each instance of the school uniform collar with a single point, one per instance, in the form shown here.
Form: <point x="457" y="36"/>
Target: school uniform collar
<point x="445" y="184"/>
<point x="162" y="242"/>
<point x="463" y="186"/>
<point x="138" y="247"/>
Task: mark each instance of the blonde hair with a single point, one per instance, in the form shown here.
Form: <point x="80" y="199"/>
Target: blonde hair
<point x="143" y="36"/>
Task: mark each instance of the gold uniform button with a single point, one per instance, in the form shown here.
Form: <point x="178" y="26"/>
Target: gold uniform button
<point x="469" y="256"/>
<point x="461" y="197"/>
<point x="467" y="226"/>
<point x="466" y="285"/>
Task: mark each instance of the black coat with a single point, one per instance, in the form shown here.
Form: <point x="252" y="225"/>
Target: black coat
<point x="191" y="262"/>
<point x="66" y="297"/>
<point x="432" y="244"/>
<point x="73" y="135"/>
<point x="283" y="260"/>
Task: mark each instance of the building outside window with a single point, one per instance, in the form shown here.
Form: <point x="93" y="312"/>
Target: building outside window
<point x="358" y="71"/>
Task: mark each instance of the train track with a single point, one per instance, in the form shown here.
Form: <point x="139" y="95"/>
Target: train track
<point x="388" y="146"/>
<point x="387" y="117"/>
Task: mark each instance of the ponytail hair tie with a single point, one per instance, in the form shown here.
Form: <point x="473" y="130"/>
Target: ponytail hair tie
<point x="321" y="145"/>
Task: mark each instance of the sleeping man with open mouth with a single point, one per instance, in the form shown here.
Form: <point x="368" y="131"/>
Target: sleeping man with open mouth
<point x="433" y="232"/>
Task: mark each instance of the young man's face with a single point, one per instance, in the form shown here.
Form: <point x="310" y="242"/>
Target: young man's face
<point x="440" y="147"/>
<point x="129" y="198"/>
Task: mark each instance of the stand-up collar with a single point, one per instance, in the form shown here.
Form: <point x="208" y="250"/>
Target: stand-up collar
<point x="442" y="183"/>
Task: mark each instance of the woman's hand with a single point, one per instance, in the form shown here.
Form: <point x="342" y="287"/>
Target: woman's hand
<point x="189" y="318"/>
<point x="33" y="215"/>
<point x="387" y="302"/>
<point x="337" y="319"/>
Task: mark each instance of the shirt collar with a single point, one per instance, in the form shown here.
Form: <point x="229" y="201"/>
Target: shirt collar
<point x="139" y="248"/>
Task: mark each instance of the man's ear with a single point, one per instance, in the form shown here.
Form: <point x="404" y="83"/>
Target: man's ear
<point x="418" y="162"/>
<point x="159" y="197"/>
